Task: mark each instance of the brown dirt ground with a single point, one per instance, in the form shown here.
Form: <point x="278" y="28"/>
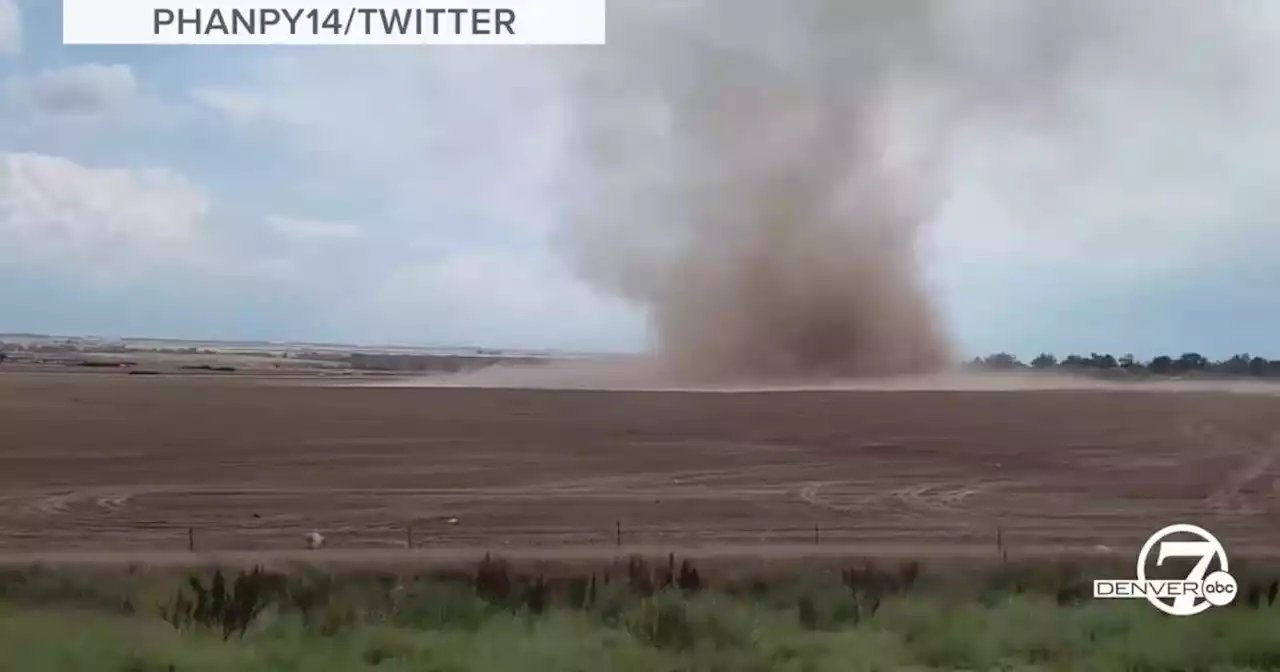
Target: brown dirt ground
<point x="117" y="468"/>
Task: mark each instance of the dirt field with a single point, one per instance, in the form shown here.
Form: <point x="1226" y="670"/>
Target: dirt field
<point x="122" y="466"/>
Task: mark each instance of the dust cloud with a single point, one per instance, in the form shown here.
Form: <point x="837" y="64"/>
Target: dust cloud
<point x="630" y="374"/>
<point x="757" y="174"/>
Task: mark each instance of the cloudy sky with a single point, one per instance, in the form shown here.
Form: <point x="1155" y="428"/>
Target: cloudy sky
<point x="408" y="196"/>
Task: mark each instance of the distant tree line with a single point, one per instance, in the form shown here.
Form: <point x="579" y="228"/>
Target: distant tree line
<point x="1189" y="363"/>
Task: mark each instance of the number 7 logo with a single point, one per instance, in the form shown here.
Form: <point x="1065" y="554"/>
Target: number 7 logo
<point x="1216" y="589"/>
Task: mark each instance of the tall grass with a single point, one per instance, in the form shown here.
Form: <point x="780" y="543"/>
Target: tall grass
<point x="637" y="617"/>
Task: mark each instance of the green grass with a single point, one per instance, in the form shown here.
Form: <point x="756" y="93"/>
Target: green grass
<point x="51" y="621"/>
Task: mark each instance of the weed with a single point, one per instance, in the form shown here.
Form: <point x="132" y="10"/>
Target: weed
<point x="217" y="607"/>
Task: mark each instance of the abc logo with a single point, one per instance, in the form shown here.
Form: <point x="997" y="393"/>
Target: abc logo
<point x="1219" y="588"/>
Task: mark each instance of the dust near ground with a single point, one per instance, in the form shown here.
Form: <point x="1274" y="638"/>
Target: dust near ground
<point x="117" y="468"/>
<point x="647" y="374"/>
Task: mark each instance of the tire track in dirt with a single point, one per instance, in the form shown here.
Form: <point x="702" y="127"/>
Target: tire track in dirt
<point x="921" y="501"/>
<point x="109" y="500"/>
<point x="95" y="507"/>
<point x="676" y="477"/>
<point x="1230" y="497"/>
<point x="1255" y="459"/>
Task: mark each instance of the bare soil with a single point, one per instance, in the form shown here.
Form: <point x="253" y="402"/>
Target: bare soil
<point x="119" y="467"/>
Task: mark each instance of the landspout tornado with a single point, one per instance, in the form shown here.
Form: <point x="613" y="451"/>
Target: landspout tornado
<point x="757" y="173"/>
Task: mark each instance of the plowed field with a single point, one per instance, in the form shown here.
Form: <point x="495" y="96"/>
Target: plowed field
<point x="128" y="464"/>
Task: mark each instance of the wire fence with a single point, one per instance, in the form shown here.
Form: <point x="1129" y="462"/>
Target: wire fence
<point x="437" y="534"/>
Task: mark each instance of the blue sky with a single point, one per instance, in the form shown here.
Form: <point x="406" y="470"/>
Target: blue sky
<point x="409" y="196"/>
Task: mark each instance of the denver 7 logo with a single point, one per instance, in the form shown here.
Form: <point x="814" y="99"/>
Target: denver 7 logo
<point x="1179" y="597"/>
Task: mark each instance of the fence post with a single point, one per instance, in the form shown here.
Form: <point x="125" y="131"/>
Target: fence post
<point x="617" y="532"/>
<point x="191" y="539"/>
<point x="408" y="533"/>
<point x="815" y="534"/>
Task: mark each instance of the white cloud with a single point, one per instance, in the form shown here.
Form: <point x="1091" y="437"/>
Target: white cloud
<point x="313" y="229"/>
<point x="57" y="212"/>
<point x="497" y="298"/>
<point x="1160" y="169"/>
<point x="467" y="168"/>
<point x="121" y="225"/>
<point x="10" y="27"/>
<point x="236" y="105"/>
<point x="438" y="147"/>
<point x="77" y="90"/>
